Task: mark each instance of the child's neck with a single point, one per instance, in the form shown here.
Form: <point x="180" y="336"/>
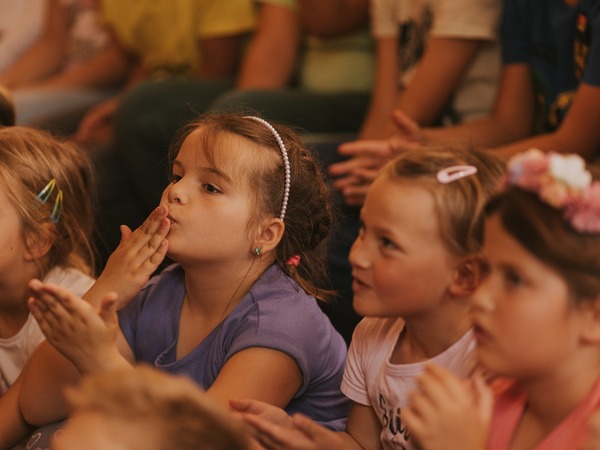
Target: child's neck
<point x="551" y="398"/>
<point x="13" y="305"/>
<point x="208" y="301"/>
<point x="425" y="337"/>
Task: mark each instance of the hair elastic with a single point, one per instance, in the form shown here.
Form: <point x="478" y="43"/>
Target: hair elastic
<point x="286" y="162"/>
<point x="453" y="173"/>
<point x="45" y="194"/>
<point x="293" y="261"/>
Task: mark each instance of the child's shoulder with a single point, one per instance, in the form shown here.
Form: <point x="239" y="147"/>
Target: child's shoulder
<point x="376" y="328"/>
<point x="70" y="278"/>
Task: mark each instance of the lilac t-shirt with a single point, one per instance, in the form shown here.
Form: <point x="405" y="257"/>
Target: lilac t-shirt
<point x="276" y="313"/>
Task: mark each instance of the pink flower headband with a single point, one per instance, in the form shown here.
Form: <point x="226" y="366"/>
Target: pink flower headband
<point x="560" y="181"/>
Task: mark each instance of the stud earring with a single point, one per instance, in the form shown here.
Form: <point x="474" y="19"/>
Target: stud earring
<point x="257" y="251"/>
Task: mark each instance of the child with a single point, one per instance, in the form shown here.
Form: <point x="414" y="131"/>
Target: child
<point x="414" y="265"/>
<point x="144" y="407"/>
<point x="46" y="222"/>
<point x="248" y="212"/>
<point x="536" y="319"/>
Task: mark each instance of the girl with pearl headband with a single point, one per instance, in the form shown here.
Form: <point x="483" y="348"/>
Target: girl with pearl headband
<point x="245" y="218"/>
<point x="536" y="319"/>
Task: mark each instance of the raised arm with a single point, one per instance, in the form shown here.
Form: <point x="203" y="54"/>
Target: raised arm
<point x="271" y="57"/>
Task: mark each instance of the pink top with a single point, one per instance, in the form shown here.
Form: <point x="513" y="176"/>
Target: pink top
<point x="570" y="434"/>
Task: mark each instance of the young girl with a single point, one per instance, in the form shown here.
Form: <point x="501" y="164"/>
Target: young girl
<point x="536" y="318"/>
<point x="414" y="265"/>
<point x="46" y="222"/>
<point x="248" y="213"/>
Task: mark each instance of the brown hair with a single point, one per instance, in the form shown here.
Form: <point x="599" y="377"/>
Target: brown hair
<point x="29" y="159"/>
<point x="171" y="409"/>
<point x="7" y="108"/>
<point x="543" y="231"/>
<point x="459" y="204"/>
<point x="308" y="217"/>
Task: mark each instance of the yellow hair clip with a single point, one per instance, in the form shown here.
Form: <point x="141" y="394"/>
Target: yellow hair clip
<point x="45" y="194"/>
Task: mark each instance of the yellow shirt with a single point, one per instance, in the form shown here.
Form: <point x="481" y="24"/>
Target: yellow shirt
<point x="164" y="34"/>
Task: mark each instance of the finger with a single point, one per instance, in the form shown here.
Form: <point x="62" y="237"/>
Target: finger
<point x="343" y="168"/>
<point x="108" y="309"/>
<point x="374" y="147"/>
<point x="408" y="127"/>
<point x="414" y="422"/>
<point x="125" y="233"/>
<point x="355" y="193"/>
<point x="153" y="221"/>
<point x="310" y="428"/>
<point x="270" y="435"/>
<point x="484" y="397"/>
<point x="341" y="183"/>
<point x="242" y="405"/>
<point x="447" y="384"/>
<point x="366" y="175"/>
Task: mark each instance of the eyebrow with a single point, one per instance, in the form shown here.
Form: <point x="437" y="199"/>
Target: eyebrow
<point x="210" y="170"/>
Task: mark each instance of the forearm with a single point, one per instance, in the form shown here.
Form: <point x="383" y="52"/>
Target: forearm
<point x="13" y="428"/>
<point x="109" y="68"/>
<point x="482" y="133"/>
<point x="41" y="398"/>
<point x="270" y="60"/>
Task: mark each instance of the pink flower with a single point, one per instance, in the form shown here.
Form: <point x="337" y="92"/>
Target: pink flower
<point x="584" y="214"/>
<point x="555" y="194"/>
<point x="525" y="169"/>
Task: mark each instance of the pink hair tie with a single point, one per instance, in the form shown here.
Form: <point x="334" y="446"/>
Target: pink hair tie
<point x="293" y="261"/>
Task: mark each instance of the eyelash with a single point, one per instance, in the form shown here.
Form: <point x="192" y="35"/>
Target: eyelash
<point x="175" y="178"/>
<point x="211" y="188"/>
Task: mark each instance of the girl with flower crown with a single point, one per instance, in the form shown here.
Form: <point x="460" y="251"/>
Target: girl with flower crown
<point x="536" y="318"/>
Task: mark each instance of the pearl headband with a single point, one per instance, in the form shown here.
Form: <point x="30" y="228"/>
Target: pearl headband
<point x="286" y="162"/>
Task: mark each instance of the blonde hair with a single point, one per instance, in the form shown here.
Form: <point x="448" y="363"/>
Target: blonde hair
<point x="171" y="409"/>
<point x="459" y="204"/>
<point x="7" y="108"/>
<point x="29" y="160"/>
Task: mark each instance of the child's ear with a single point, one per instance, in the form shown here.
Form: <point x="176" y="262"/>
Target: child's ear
<point x="590" y="328"/>
<point x="467" y="277"/>
<point x="39" y="243"/>
<point x="269" y="234"/>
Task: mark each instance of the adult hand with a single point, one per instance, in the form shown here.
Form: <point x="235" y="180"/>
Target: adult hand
<point x="96" y="125"/>
<point x="367" y="157"/>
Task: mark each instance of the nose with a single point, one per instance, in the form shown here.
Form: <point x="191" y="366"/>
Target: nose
<point x="175" y="193"/>
<point x="358" y="254"/>
<point x="483" y="298"/>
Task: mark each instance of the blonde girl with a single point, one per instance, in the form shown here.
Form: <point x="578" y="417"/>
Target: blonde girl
<point x="415" y="265"/>
<point x="536" y="319"/>
<point x="46" y="222"/>
<point x="245" y="218"/>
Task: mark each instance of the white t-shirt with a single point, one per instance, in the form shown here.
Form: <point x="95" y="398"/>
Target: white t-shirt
<point x="16" y="350"/>
<point x="412" y="22"/>
<point x="21" y="23"/>
<point x="370" y="379"/>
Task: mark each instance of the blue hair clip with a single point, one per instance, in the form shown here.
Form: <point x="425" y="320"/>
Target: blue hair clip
<point x="45" y="194"/>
